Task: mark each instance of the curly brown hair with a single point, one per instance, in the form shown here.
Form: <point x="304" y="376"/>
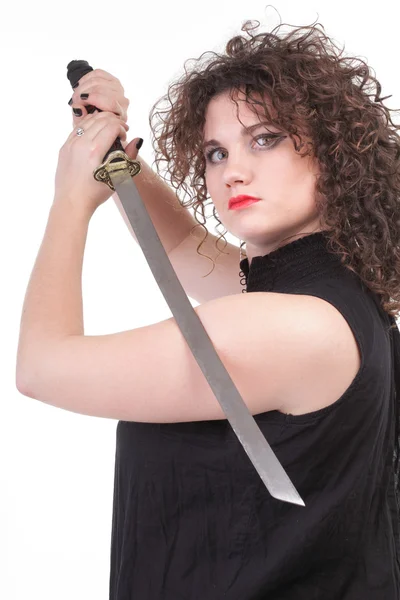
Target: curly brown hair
<point x="329" y="98"/>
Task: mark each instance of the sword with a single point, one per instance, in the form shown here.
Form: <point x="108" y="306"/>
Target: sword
<point x="117" y="171"/>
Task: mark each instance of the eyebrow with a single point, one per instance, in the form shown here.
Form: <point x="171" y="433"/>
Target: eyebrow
<point x="245" y="131"/>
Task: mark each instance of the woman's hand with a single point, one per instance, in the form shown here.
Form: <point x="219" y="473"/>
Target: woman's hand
<point x="106" y="93"/>
<point x="81" y="155"/>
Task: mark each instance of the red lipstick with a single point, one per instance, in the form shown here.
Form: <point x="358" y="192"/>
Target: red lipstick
<point x="241" y="201"/>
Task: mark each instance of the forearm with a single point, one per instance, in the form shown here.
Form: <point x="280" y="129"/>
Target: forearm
<point x="52" y="307"/>
<point x="172" y="222"/>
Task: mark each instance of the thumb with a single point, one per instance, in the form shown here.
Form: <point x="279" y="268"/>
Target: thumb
<point x="130" y="149"/>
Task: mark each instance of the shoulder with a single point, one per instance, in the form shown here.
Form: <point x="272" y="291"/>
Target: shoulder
<point x="292" y="352"/>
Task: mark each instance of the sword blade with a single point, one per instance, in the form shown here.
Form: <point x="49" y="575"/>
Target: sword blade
<point x="241" y="420"/>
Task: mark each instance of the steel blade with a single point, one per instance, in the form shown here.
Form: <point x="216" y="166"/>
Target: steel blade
<point x="241" y="420"/>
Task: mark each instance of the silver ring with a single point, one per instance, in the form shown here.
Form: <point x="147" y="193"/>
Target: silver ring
<point x="80" y="131"/>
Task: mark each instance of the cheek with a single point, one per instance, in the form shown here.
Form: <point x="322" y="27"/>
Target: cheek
<point x="208" y="180"/>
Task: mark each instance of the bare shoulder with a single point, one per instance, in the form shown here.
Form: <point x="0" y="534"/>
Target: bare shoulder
<point x="283" y="352"/>
<point x="330" y="373"/>
<point x="302" y="352"/>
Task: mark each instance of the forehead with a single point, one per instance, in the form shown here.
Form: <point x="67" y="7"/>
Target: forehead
<point x="222" y="110"/>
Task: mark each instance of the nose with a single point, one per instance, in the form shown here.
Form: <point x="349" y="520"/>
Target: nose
<point x="236" y="172"/>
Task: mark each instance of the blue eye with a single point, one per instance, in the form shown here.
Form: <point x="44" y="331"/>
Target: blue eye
<point x="268" y="137"/>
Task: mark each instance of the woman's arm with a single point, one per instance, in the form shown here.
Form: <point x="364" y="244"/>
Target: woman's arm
<point x="172" y="222"/>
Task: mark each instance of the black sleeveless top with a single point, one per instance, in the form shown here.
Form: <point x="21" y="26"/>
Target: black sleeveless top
<point x="192" y="519"/>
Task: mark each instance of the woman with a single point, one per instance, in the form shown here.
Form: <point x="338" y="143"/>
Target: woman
<point x="313" y="352"/>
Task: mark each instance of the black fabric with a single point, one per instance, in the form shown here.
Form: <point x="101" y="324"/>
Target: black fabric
<point x="193" y="521"/>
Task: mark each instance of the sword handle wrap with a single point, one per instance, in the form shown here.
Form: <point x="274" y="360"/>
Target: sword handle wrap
<point x="75" y="70"/>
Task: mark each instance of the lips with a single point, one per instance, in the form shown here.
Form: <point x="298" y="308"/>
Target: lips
<point x="242" y="198"/>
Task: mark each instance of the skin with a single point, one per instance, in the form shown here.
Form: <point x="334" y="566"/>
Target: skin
<point x="277" y="174"/>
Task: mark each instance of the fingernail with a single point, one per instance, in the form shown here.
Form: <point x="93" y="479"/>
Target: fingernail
<point x="77" y="112"/>
<point x="139" y="144"/>
<point x="70" y="101"/>
<point x="75" y="86"/>
<point x="84" y="96"/>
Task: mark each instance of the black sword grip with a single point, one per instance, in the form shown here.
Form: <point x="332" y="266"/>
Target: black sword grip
<point x="75" y="70"/>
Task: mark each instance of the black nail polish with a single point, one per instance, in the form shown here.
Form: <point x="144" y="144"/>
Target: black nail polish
<point x="84" y="96"/>
<point x="75" y="86"/>
<point x="70" y="101"/>
<point x="139" y="144"/>
<point x="77" y="112"/>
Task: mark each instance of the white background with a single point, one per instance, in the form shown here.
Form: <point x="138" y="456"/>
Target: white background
<point x="57" y="467"/>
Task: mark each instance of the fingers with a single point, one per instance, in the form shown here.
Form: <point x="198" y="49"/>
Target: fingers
<point x="105" y="92"/>
<point x="102" y="124"/>
<point x="101" y="115"/>
<point x="102" y="98"/>
<point x="98" y="73"/>
<point x="106" y="132"/>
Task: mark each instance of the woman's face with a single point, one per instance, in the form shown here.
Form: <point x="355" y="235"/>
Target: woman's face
<point x="269" y="169"/>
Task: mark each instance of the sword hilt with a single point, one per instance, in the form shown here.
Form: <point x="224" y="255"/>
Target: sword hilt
<point x="115" y="159"/>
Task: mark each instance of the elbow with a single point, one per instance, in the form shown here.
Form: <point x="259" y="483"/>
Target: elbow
<point x="23" y="372"/>
<point x="21" y="382"/>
